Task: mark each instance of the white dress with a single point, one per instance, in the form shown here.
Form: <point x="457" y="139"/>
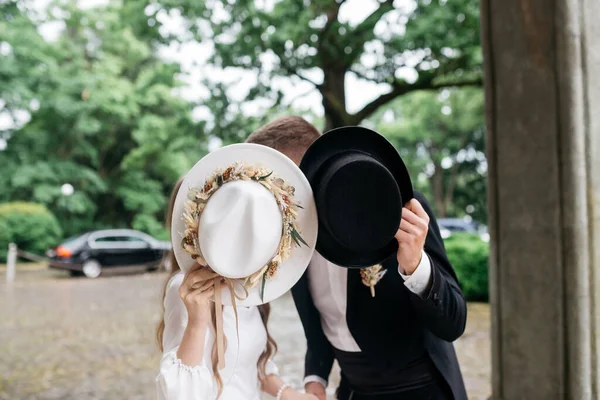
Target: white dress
<point x="177" y="381"/>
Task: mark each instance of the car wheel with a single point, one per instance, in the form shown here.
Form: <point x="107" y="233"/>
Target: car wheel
<point x="152" y="268"/>
<point x="92" y="269"/>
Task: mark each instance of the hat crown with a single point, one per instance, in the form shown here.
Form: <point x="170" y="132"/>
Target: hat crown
<point x="240" y="229"/>
<point x="358" y="201"/>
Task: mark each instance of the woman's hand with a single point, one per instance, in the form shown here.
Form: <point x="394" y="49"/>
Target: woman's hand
<point x="272" y="383"/>
<point x="316" y="389"/>
<point x="196" y="292"/>
<point x="291" y="394"/>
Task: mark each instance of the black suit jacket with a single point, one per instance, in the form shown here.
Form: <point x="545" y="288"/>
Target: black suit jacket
<point x="396" y="320"/>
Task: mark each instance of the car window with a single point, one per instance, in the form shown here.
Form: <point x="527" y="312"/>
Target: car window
<point x="125" y="239"/>
<point x="119" y="241"/>
<point x="107" y="239"/>
<point x="134" y="239"/>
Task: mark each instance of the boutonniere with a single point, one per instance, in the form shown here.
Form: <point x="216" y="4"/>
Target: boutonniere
<point x="371" y="276"/>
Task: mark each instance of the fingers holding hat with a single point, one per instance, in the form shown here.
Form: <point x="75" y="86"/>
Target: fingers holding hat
<point x="414" y="218"/>
<point x="197" y="297"/>
<point x="200" y="296"/>
<point x="203" y="285"/>
<point x="411" y="236"/>
<point x="199" y="273"/>
<point x="198" y="278"/>
<point x="416" y="207"/>
<point x="197" y="303"/>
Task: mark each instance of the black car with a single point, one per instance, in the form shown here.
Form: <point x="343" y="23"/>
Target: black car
<point x="459" y="225"/>
<point x="462" y="225"/>
<point x="90" y="253"/>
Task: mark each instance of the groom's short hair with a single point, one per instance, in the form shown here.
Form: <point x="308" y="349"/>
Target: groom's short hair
<point x="286" y="133"/>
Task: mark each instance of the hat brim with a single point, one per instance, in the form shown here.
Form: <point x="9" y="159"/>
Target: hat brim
<point x="342" y="140"/>
<point x="292" y="269"/>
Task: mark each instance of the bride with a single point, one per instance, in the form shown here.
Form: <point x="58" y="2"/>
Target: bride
<point x="244" y="227"/>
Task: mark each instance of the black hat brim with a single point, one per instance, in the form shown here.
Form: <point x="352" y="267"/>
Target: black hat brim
<point x="342" y="140"/>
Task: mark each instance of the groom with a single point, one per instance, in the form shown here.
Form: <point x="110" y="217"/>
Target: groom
<point x="397" y="345"/>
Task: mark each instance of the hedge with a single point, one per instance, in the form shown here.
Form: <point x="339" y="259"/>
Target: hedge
<point x="30" y="225"/>
<point x="469" y="257"/>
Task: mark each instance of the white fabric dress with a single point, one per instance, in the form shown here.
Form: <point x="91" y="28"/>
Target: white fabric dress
<point x="177" y="381"/>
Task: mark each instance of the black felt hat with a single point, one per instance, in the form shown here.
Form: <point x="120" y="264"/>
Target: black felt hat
<point x="360" y="185"/>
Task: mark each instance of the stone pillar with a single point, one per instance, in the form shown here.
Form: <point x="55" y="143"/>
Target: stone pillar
<point x="591" y="59"/>
<point x="542" y="78"/>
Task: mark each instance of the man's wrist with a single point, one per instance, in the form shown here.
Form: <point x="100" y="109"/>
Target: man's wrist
<point x="314" y="379"/>
<point x="411" y="270"/>
<point x="419" y="280"/>
<point x="314" y="384"/>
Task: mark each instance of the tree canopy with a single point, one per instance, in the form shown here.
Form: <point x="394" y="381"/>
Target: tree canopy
<point x="405" y="46"/>
<point x="441" y="138"/>
<point x="102" y="116"/>
<point x="96" y="106"/>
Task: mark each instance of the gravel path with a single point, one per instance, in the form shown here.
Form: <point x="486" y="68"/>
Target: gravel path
<point x="73" y="338"/>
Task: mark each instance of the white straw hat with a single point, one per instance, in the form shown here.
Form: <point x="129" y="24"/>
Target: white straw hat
<point x="246" y="210"/>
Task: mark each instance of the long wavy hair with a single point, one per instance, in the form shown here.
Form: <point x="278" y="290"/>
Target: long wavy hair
<point x="264" y="309"/>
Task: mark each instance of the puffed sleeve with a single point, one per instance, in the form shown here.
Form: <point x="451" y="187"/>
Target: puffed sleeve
<point x="177" y="381"/>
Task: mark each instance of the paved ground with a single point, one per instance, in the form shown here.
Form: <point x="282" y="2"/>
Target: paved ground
<point x="73" y="338"/>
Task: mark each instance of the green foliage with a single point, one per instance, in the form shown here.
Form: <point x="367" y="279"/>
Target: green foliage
<point x="103" y="116"/>
<point x="24" y="57"/>
<point x="5" y="239"/>
<point x="31" y="226"/>
<point x="97" y="108"/>
<point x="437" y="41"/>
<point x="469" y="256"/>
<point x="441" y="138"/>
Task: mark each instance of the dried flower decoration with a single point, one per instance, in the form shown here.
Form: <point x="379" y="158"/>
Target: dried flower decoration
<point x="284" y="196"/>
<point x="371" y="276"/>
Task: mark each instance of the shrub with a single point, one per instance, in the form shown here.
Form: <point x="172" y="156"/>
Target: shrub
<point x="30" y="225"/>
<point x="469" y="257"/>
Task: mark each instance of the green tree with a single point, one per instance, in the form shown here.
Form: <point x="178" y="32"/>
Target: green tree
<point x="19" y="70"/>
<point x="435" y="42"/>
<point x="103" y="117"/>
<point x="30" y="226"/>
<point x="441" y="138"/>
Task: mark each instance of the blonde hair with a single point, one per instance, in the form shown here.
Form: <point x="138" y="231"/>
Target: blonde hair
<point x="264" y="309"/>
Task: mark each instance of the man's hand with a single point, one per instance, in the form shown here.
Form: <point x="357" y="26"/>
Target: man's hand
<point x="317" y="389"/>
<point x="411" y="236"/>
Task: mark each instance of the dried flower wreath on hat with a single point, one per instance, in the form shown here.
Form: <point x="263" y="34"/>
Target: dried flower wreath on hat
<point x="284" y="196"/>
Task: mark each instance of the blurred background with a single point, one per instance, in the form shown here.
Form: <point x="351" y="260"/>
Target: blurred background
<point x="104" y="104"/>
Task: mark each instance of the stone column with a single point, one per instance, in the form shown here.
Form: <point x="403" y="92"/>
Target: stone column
<point x="542" y="78"/>
<point x="591" y="59"/>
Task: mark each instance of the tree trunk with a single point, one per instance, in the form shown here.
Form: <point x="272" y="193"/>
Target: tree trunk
<point x="449" y="195"/>
<point x="333" y="91"/>
<point x="437" y="186"/>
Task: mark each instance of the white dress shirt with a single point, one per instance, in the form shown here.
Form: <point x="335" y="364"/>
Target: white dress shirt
<point x="329" y="292"/>
<point x="177" y="381"/>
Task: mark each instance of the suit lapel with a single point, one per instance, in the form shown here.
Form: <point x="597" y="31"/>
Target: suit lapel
<point x="300" y="291"/>
<point x="354" y="282"/>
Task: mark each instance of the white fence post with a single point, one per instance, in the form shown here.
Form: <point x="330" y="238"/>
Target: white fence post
<point x="11" y="262"/>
